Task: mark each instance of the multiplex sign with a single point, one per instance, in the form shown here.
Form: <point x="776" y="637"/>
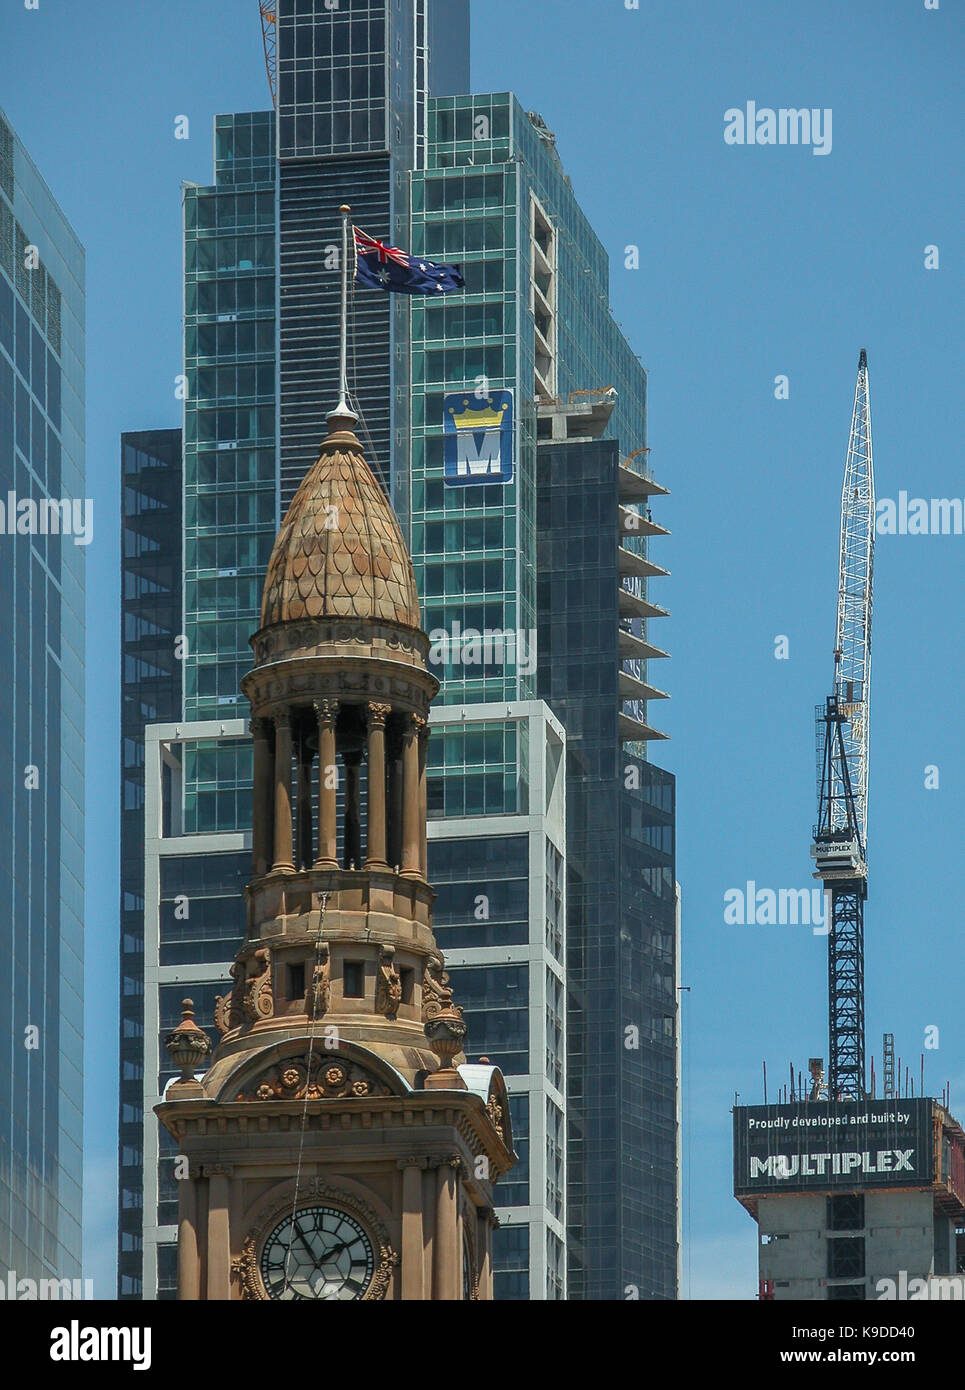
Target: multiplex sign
<point x="823" y="1144"/>
<point x="478" y="438"/>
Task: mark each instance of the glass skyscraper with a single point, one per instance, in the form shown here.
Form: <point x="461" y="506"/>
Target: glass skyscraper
<point x="151" y="690"/>
<point x="46" y="526"/>
<point x="370" y="112"/>
<point x="622" y="950"/>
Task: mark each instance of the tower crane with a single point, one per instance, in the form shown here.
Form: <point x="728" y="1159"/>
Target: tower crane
<point x="840" y="847"/>
<point x="269" y="22"/>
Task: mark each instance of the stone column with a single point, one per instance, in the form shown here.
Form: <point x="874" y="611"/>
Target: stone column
<point x="283" y="793"/>
<point x="189" y="1253"/>
<point x="352" y="760"/>
<point x="411" y="834"/>
<point x="262" y="835"/>
<point x="326" y="712"/>
<point x="303" y="806"/>
<point x="376" y="842"/>
<point x="413" y="1255"/>
<point x="423" y="728"/>
<point x="219" y="1247"/>
<point x="394" y="832"/>
<point x="484" y="1254"/>
<point x="447" y="1257"/>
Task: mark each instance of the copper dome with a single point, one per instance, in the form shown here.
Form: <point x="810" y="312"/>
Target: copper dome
<point x="340" y="552"/>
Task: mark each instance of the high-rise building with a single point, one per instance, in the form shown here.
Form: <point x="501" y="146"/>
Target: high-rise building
<point x="366" y="116"/>
<point x="46" y="525"/>
<point x="151" y="602"/>
<point x="623" y="1154"/>
<point x="567" y="625"/>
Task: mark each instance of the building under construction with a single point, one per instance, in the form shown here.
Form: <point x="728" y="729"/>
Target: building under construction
<point x="855" y="1197"/>
<point x="854" y="1200"/>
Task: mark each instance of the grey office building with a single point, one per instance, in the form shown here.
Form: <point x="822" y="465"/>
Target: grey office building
<point x="151" y="690"/>
<point x="623" y="1156"/>
<point x="45" y="529"/>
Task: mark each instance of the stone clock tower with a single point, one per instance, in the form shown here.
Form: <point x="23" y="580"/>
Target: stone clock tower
<point x="335" y="1148"/>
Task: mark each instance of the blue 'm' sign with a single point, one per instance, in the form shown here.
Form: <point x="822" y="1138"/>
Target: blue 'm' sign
<point x="479" y="438"/>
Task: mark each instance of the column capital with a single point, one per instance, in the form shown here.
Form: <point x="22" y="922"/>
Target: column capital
<point x="326" y="711"/>
<point x="258" y="726"/>
<point x="412" y="1161"/>
<point x="282" y="718"/>
<point x="217" y="1170"/>
<point x="378" y="713"/>
<point x="445" y="1161"/>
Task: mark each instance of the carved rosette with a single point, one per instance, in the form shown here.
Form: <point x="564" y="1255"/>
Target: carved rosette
<point x="244" y="1267"/>
<point x="323" y="1078"/>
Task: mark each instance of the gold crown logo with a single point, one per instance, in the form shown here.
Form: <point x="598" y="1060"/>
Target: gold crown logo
<point x="489" y="419"/>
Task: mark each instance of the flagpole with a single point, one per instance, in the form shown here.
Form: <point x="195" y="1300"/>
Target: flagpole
<point x="343" y="408"/>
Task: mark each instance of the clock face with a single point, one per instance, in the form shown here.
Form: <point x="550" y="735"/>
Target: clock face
<point x="323" y="1254"/>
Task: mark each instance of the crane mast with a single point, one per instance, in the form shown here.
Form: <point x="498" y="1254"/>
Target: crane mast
<point x="840" y="847"/>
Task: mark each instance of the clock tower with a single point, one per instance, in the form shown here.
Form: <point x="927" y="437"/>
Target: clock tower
<point x="337" y="1146"/>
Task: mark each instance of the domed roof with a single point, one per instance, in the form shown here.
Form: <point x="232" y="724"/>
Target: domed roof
<point x="340" y="551"/>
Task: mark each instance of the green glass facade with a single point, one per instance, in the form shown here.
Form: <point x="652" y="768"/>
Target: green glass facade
<point x="474" y="548"/>
<point x="230" y="487"/>
<point x="42" y="586"/>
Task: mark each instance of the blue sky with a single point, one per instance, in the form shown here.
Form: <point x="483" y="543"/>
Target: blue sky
<point x="754" y="262"/>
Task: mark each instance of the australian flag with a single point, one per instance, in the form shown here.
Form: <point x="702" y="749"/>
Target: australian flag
<point x="383" y="267"/>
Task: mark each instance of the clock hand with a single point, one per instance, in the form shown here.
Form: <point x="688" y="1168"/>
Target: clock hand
<point x="337" y="1249"/>
<point x="301" y="1236"/>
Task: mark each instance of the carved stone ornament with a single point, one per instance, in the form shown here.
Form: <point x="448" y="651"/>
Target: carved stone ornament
<point x="436" y="994"/>
<point x="318" y="989"/>
<point x="227" y="1007"/>
<point x="378" y="714"/>
<point x="244" y="1267"/>
<point x="323" y="1078"/>
<point x="495" y="1113"/>
<point x="187" y="1044"/>
<point x="257" y="1001"/>
<point x="388" y="989"/>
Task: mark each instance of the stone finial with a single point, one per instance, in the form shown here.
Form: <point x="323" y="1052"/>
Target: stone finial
<point x="446" y="1032"/>
<point x="187" y="1045"/>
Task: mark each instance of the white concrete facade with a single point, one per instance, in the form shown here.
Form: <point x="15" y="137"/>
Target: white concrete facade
<point x="544" y="823"/>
